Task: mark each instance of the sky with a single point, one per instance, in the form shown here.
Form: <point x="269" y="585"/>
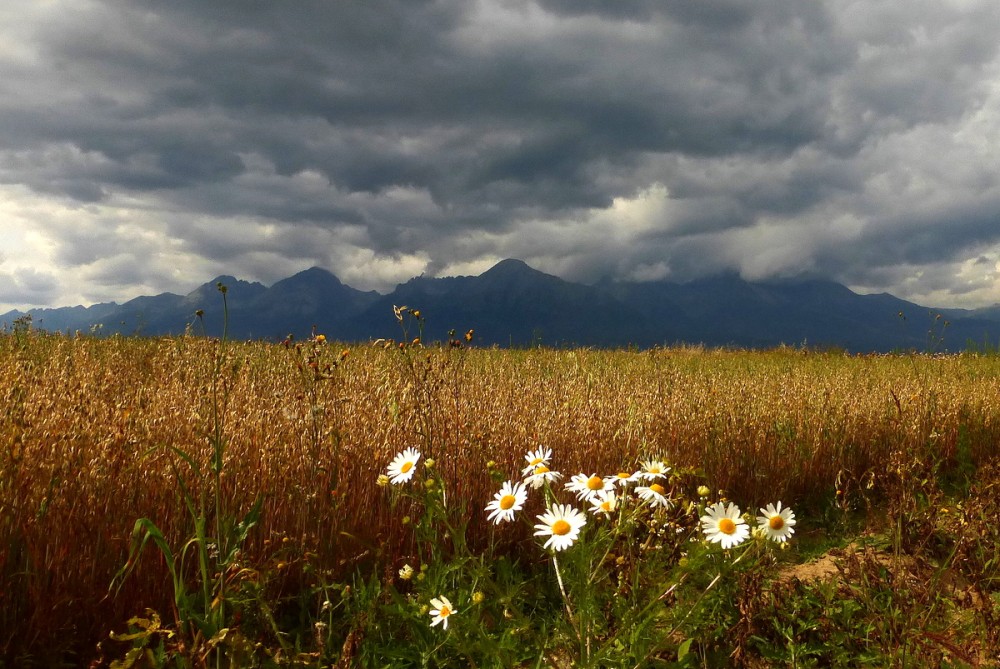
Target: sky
<point x="148" y="147"/>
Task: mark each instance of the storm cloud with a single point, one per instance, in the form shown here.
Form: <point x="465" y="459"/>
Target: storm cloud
<point x="150" y="146"/>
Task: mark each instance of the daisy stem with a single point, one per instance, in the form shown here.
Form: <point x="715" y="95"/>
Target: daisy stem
<point x="611" y="544"/>
<point x="562" y="589"/>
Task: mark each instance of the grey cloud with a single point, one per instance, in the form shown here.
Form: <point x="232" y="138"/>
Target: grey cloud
<point x="27" y="287"/>
<point x="414" y="129"/>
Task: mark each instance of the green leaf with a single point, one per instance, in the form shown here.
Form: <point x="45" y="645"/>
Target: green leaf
<point x="242" y="529"/>
<point x="683" y="649"/>
<point x="138" y="544"/>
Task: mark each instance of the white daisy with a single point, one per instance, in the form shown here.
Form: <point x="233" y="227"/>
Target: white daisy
<point x="441" y="612"/>
<point x="622" y="479"/>
<point x="604" y="502"/>
<point x="724" y="525"/>
<point x="654" y="469"/>
<point x="586" y="487"/>
<point x="403" y="466"/>
<point x="777" y="523"/>
<point x="654" y="494"/>
<point x="540" y="475"/>
<point x="539" y="456"/>
<point x="510" y="499"/>
<point x="561" y="524"/>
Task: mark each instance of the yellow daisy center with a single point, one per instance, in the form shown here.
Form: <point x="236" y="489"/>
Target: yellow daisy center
<point x="776" y="522"/>
<point x="507" y="501"/>
<point x="542" y="470"/>
<point x="535" y="461"/>
<point x="657" y="488"/>
<point x="606" y="506"/>
<point x="444" y="612"/>
<point x="624" y="475"/>
<point x="595" y="483"/>
<point x="405" y="467"/>
<point x="561" y="527"/>
<point x="727" y="526"/>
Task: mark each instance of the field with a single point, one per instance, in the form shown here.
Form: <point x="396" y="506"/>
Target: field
<point x="253" y="471"/>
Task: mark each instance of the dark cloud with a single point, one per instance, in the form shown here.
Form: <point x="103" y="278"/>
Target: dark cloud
<point x="645" y="138"/>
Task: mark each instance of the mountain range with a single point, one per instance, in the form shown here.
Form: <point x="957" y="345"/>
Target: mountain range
<point x="513" y="304"/>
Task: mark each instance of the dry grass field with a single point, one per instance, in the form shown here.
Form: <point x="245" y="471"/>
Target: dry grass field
<point x="88" y="427"/>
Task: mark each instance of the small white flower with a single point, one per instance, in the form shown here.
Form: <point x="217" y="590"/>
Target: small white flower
<point x="655" y="495"/>
<point x="404" y="466"/>
<point x="539" y="456"/>
<point x="622" y="479"/>
<point x="406" y="572"/>
<point x="777" y="523"/>
<point x="441" y="612"/>
<point x="561" y="524"/>
<point x="723" y="524"/>
<point x="654" y="469"/>
<point x="604" y="502"/>
<point x="540" y="475"/>
<point x="511" y="498"/>
<point x="586" y="487"/>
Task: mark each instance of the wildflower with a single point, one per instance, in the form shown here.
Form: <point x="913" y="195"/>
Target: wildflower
<point x="510" y="499"/>
<point x="777" y="523"/>
<point x="604" y="502"/>
<point x="429" y="463"/>
<point x="382" y="481"/>
<point x="704" y="491"/>
<point x="441" y="612"/>
<point x="562" y="524"/>
<point x="478" y="597"/>
<point x="655" y="495"/>
<point x="536" y="458"/>
<point x="320" y="339"/>
<point x="540" y="475"/>
<point x="585" y="486"/>
<point x="622" y="479"/>
<point x="722" y="524"/>
<point x="406" y="573"/>
<point x="403" y="466"/>
<point x="654" y="469"/>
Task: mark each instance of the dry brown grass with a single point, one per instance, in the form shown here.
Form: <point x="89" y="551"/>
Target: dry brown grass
<point x="85" y="425"/>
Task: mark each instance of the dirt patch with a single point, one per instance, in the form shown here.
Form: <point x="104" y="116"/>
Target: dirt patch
<point x="830" y="563"/>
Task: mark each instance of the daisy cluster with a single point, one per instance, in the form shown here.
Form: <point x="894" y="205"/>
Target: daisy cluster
<point x="724" y="524"/>
<point x="721" y="523"/>
<point x="601" y="496"/>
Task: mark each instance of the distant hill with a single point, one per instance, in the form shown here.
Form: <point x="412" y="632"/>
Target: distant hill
<point x="514" y="305"/>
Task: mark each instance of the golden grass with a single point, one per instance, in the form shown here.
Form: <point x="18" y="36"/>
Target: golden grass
<point x="86" y="422"/>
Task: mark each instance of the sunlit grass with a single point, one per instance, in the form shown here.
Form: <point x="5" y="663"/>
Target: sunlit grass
<point x="87" y="427"/>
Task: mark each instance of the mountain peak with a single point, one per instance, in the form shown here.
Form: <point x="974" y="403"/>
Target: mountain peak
<point x="513" y="303"/>
<point x="206" y="290"/>
<point x="318" y="272"/>
<point x="510" y="266"/>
